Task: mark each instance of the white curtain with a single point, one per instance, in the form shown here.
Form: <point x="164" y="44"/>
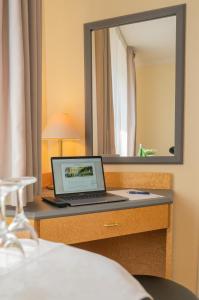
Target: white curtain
<point x="124" y="94"/>
<point x="20" y="90"/>
<point x="119" y="85"/>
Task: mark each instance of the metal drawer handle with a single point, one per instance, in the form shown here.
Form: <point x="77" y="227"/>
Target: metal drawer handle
<point x="111" y="225"/>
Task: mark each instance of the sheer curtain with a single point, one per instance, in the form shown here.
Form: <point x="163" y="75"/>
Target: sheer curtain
<point x="124" y="96"/>
<point x="20" y="90"/>
<point x="119" y="83"/>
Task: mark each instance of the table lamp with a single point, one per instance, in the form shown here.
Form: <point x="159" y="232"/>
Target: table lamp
<point x="60" y="128"/>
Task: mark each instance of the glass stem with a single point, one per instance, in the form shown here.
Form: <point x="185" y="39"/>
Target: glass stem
<point x="2" y="215"/>
<point x="3" y="209"/>
<point x="19" y="206"/>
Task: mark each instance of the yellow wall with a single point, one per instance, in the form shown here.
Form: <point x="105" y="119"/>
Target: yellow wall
<point x="155" y="91"/>
<point x="62" y="69"/>
<point x="65" y="90"/>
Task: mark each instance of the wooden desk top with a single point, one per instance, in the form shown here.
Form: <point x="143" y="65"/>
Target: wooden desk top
<point x="41" y="210"/>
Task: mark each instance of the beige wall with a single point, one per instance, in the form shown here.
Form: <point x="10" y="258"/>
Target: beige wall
<point x="155" y="90"/>
<point x="62" y="70"/>
<point x="65" y="90"/>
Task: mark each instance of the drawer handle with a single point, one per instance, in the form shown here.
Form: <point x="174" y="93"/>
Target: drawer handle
<point x="111" y="225"/>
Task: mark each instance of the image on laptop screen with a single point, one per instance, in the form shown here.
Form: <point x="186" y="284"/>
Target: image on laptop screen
<point x="77" y="175"/>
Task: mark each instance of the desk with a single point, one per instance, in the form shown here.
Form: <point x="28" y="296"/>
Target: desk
<point x="136" y="234"/>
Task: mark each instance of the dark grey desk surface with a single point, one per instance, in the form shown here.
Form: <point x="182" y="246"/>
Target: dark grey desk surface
<point x="41" y="210"/>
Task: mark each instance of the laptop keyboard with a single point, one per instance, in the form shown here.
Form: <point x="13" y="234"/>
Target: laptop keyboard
<point x="86" y="196"/>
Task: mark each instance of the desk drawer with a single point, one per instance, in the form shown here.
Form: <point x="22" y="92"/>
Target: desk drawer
<point x="95" y="226"/>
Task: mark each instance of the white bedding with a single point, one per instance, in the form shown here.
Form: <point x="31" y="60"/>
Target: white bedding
<point x="59" y="272"/>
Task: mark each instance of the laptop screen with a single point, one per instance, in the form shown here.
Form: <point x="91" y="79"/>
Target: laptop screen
<point x="77" y="175"/>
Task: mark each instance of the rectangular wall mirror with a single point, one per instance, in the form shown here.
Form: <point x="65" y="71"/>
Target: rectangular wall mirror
<point x="134" y="80"/>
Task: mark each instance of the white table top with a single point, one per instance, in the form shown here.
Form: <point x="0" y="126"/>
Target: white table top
<point x="55" y="272"/>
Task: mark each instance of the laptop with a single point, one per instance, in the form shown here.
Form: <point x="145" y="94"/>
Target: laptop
<point x="80" y="181"/>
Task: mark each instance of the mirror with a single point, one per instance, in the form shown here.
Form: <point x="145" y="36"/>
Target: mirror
<point x="134" y="67"/>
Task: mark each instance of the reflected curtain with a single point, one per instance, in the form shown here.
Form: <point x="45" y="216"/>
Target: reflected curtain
<point x="104" y="95"/>
<point x="20" y="90"/>
<point x="131" y="102"/>
<point x="119" y="83"/>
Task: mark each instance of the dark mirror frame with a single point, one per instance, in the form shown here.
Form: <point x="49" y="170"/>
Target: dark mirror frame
<point x="179" y="11"/>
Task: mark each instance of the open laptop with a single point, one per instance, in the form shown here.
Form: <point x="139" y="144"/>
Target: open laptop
<point x="80" y="181"/>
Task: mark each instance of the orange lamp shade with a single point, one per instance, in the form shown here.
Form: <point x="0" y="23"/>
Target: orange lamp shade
<point x="60" y="127"/>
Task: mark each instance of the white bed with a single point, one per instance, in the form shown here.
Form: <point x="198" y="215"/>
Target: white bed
<point x="56" y="271"/>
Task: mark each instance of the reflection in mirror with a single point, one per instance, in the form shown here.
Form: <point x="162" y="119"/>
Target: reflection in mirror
<point x="133" y="88"/>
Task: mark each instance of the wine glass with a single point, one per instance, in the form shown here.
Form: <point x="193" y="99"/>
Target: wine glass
<point x="7" y="239"/>
<point x="20" y="221"/>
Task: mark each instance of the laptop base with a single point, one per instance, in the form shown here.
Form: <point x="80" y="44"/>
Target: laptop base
<point x="63" y="202"/>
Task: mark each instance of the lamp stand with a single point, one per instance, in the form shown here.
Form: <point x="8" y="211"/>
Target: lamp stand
<point x="60" y="142"/>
